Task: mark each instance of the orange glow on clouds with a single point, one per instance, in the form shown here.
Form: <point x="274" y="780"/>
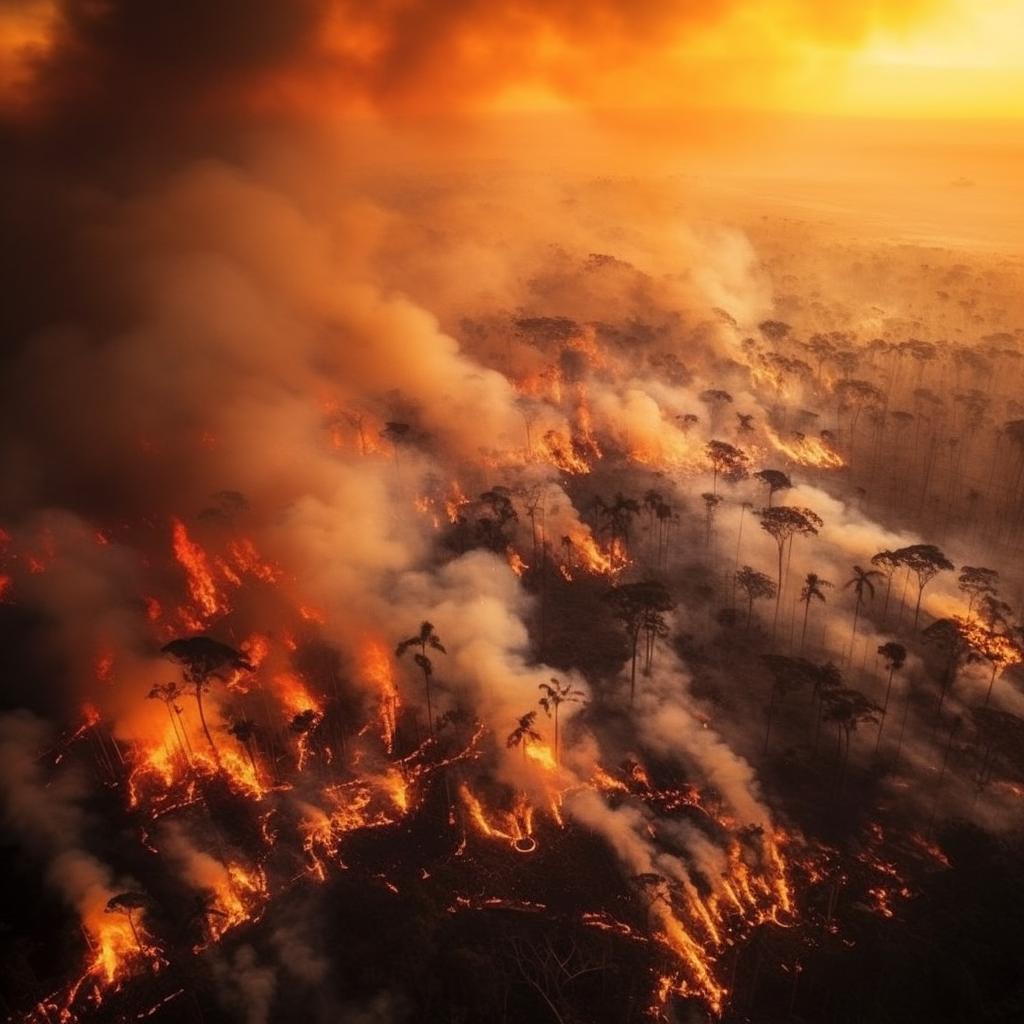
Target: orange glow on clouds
<point x="904" y="58"/>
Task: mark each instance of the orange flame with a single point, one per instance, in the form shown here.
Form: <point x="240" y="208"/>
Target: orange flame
<point x="192" y="558"/>
<point x="377" y="666"/>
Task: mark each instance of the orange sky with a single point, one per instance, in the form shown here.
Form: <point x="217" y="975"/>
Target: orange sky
<point x="905" y="58"/>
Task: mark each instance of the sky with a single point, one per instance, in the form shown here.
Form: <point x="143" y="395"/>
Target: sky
<point x="869" y="58"/>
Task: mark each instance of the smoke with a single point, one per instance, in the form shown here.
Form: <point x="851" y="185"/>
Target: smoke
<point x="44" y="816"/>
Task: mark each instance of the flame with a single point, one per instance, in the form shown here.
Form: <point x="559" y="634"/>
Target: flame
<point x="558" y="448"/>
<point x="294" y="695"/>
<point x="455" y="502"/>
<point x="806" y="451"/>
<point x="514" y="826"/>
<point x="587" y="553"/>
<point x="515" y="563"/>
<point x="202" y="587"/>
<point x="543" y="755"/>
<point x="256" y="648"/>
<point x="378" y="670"/>
<point x="246" y="559"/>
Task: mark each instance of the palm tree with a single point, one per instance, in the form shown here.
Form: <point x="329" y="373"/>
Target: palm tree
<point x="862" y="584"/>
<point x="524" y="733"/>
<point x="557" y="693"/>
<point x="202" y="659"/>
<point x="425" y="638"/>
<point x="812" y="588"/>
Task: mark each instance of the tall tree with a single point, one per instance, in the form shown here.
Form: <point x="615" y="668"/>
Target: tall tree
<point x="499" y="513"/>
<point x="203" y="659"/>
<point x="129" y="904"/>
<point x="169" y="693"/>
<point x="711" y="503"/>
<point x="727" y="461"/>
<point x="848" y="708"/>
<point x="775" y="480"/>
<point x="952" y="637"/>
<point x="639" y="606"/>
<point x="977" y="581"/>
<point x="787" y="675"/>
<point x="811" y="590"/>
<point x="782" y="523"/>
<point x="862" y="584"/>
<point x="243" y="729"/>
<point x="555" y="694"/>
<point x="895" y="656"/>
<point x="886" y="562"/>
<point x="925" y="562"/>
<point x="756" y="585"/>
<point x="425" y="638"/>
<point x="618" y="519"/>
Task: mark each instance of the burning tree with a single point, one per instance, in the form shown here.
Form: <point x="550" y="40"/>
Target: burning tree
<point x="202" y="659"/>
<point x="425" y="638"/>
<point x="128" y="903"/>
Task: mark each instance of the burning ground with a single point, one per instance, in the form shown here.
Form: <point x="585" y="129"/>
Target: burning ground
<point x="441" y="583"/>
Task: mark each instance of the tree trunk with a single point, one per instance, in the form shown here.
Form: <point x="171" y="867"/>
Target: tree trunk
<point x="202" y="720"/>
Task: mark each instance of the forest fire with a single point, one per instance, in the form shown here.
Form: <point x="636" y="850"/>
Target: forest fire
<point x="483" y="540"/>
